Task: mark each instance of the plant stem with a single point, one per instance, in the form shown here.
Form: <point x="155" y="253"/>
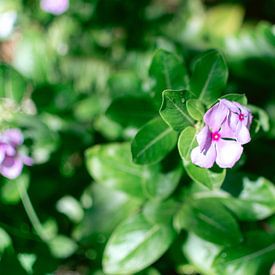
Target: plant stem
<point x="30" y="211"/>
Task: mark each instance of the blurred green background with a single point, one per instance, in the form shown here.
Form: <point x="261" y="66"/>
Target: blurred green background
<point x="59" y="74"/>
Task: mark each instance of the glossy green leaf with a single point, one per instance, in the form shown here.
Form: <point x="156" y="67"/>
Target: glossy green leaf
<point x="195" y="109"/>
<point x="253" y="256"/>
<point x="131" y="111"/>
<point x="173" y="109"/>
<point x="212" y="178"/>
<point x="210" y="220"/>
<point x="241" y="98"/>
<point x="153" y="142"/>
<point x="261" y="116"/>
<point x="135" y="244"/>
<point x="256" y="200"/>
<point x="162" y="185"/>
<point x="201" y="253"/>
<point x="187" y="141"/>
<point x="160" y="212"/>
<point x="12" y="84"/>
<point x="112" y="165"/>
<point x="209" y="77"/>
<point x="167" y="72"/>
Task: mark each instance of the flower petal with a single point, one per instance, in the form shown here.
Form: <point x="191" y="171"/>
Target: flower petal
<point x="228" y="153"/>
<point x="215" y="116"/>
<point x="243" y="135"/>
<point x="13" y="136"/>
<point x="11" y="168"/>
<point x="204" y="138"/>
<point x="204" y="160"/>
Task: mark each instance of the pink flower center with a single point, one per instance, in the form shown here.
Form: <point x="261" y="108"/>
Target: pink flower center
<point x="241" y="117"/>
<point x="216" y="136"/>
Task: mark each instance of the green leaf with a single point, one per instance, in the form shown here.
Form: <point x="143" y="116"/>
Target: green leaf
<point x="254" y="256"/>
<point x="136" y="244"/>
<point x="187" y="141"/>
<point x="209" y="77"/>
<point x="173" y="109"/>
<point x="167" y="72"/>
<point x="256" y="200"/>
<point x="210" y="220"/>
<point x="153" y="142"/>
<point x="241" y="98"/>
<point x="201" y="253"/>
<point x="12" y="84"/>
<point x="195" y="109"/>
<point x="163" y="184"/>
<point x="212" y="178"/>
<point x="160" y="212"/>
<point x="112" y="165"/>
<point x="131" y="111"/>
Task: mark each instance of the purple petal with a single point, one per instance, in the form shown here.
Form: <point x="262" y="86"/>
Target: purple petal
<point x="242" y="109"/>
<point x="11" y="168"/>
<point x="26" y="160"/>
<point x="228" y="153"/>
<point x="204" y="160"/>
<point x="56" y="7"/>
<point x="204" y="138"/>
<point x="243" y="135"/>
<point x="230" y="105"/>
<point x="226" y="131"/>
<point x="215" y="116"/>
<point x="13" y="136"/>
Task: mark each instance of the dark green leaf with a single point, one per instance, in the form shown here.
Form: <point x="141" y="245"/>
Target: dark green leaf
<point x="256" y="201"/>
<point x="153" y="142"/>
<point x="131" y="111"/>
<point x="209" y="77"/>
<point x="210" y="220"/>
<point x="136" y="244"/>
<point x="173" y="109"/>
<point x="167" y="72"/>
<point x="254" y="256"/>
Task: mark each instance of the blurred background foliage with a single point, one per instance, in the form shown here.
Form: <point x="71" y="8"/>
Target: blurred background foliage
<point x="59" y="75"/>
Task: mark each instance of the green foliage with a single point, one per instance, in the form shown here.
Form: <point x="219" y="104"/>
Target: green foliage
<point x="135" y="244"/>
<point x="153" y="142"/>
<point x="209" y="76"/>
<point x="110" y="97"/>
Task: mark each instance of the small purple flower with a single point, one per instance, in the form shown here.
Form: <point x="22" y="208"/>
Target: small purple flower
<point x="55" y="7"/>
<point x="233" y="117"/>
<point x="214" y="147"/>
<point x="11" y="161"/>
<point x="220" y="141"/>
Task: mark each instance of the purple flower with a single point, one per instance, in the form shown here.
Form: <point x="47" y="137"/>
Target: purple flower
<point x="220" y="141"/>
<point x="233" y="117"/>
<point x="214" y="147"/>
<point x="11" y="161"/>
<point x="55" y="7"/>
